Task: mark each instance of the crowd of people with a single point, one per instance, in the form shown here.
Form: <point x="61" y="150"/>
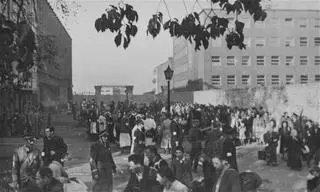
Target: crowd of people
<point x="192" y="135"/>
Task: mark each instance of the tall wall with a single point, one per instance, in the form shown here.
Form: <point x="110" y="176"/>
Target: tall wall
<point x="293" y="98"/>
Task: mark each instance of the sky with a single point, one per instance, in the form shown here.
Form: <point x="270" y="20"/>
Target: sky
<point x="97" y="60"/>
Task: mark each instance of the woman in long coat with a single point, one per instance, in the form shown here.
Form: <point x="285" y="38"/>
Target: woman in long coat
<point x="284" y="132"/>
<point x="295" y="147"/>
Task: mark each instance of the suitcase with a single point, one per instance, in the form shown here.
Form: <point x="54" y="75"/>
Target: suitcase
<point x="262" y="155"/>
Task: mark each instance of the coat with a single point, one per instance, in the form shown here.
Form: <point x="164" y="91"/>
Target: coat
<point x="56" y="144"/>
<point x="230" y="152"/>
<point x="182" y="170"/>
<point x="102" y="165"/>
<point x="25" y="165"/>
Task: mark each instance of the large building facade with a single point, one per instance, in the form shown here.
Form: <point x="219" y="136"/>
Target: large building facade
<point x="282" y="50"/>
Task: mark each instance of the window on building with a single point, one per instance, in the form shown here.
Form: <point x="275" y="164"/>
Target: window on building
<point x="275" y="80"/>
<point x="317" y="41"/>
<point x="317" y="22"/>
<point x="260" y="42"/>
<point x="302" y="22"/>
<point x="230" y="60"/>
<point x="274" y="22"/>
<point x="260" y="60"/>
<point x="289" y="41"/>
<point x="303" y="60"/>
<point x="274" y="41"/>
<point x="289" y="60"/>
<point x="245" y="60"/>
<point x="317" y="78"/>
<point x="216" y="42"/>
<point x="245" y="79"/>
<point x="231" y="79"/>
<point x="216" y="80"/>
<point x="304" y="79"/>
<point x="317" y="60"/>
<point x="261" y="80"/>
<point x="289" y="79"/>
<point x="275" y="60"/>
<point x="247" y="42"/>
<point x="303" y="41"/>
<point x="215" y="60"/>
<point x="288" y="22"/>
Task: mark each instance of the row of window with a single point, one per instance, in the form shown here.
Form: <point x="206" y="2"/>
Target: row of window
<point x="275" y="41"/>
<point x="261" y="79"/>
<point x="290" y="22"/>
<point x="261" y="60"/>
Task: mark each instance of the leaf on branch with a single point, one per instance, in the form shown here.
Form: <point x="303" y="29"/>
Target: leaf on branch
<point x="239" y="26"/>
<point x="228" y="7"/>
<point x="134" y="30"/>
<point x="117" y="39"/>
<point x="166" y="25"/>
<point x="97" y="24"/>
<point x="237" y="6"/>
<point x="126" y="42"/>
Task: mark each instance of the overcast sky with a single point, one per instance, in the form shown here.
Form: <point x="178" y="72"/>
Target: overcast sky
<point x="96" y="59"/>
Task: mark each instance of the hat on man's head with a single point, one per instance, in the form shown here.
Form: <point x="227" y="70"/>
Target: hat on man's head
<point x="103" y="133"/>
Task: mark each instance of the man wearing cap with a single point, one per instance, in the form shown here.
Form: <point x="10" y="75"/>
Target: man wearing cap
<point x="102" y="164"/>
<point x="26" y="162"/>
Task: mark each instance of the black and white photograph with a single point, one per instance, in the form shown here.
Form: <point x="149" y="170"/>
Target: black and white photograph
<point x="159" y="95"/>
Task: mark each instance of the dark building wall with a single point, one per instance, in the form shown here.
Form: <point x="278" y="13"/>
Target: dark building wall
<point x="56" y="72"/>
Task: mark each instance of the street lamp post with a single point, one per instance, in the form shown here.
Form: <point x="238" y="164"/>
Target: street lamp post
<point x="168" y="73"/>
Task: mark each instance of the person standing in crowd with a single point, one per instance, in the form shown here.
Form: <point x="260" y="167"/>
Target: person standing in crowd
<point x="194" y="138"/>
<point x="54" y="147"/>
<point x="125" y="138"/>
<point x="110" y="127"/>
<point x="47" y="182"/>
<point x="271" y="138"/>
<point x="295" y="148"/>
<point x="313" y="139"/>
<point x="150" y="127"/>
<point x="167" y="179"/>
<point x="258" y="128"/>
<point x="26" y="162"/>
<point x="102" y="164"/>
<point x="181" y="167"/>
<point x="228" y="178"/>
<point x="165" y="133"/>
<point x="138" y="137"/>
<point x="93" y="117"/>
<point x="209" y="171"/>
<point x="284" y="132"/>
<point x="249" y="123"/>
<point x="229" y="148"/>
<point x="175" y="135"/>
<point x="142" y="178"/>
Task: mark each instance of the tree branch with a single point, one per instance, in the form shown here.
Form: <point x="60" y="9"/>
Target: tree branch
<point x="167" y="8"/>
<point x="185" y="6"/>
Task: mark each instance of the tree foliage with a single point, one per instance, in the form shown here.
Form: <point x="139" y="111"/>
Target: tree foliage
<point x="17" y="46"/>
<point x="189" y="27"/>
